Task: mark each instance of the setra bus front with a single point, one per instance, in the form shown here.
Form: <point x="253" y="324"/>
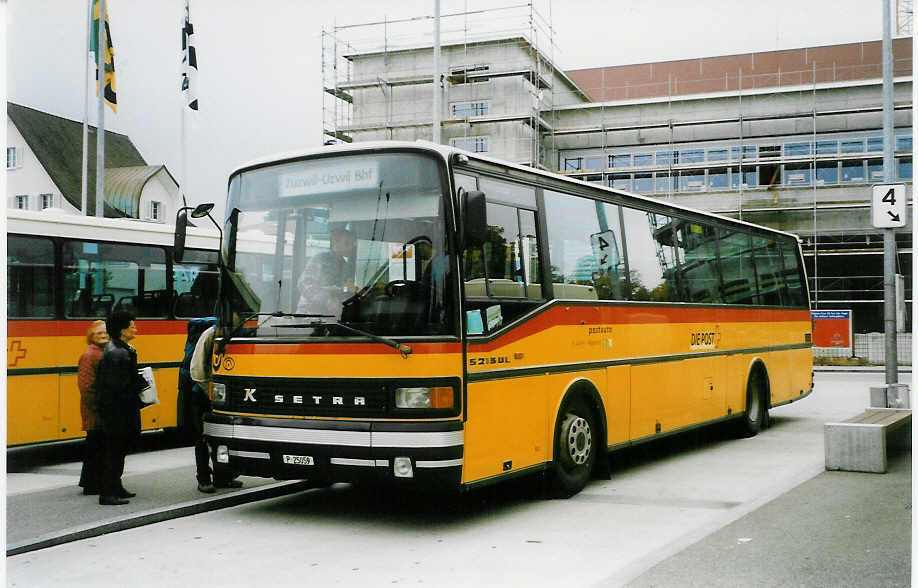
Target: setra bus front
<point x="339" y="356"/>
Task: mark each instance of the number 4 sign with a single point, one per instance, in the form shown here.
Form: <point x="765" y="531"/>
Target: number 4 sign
<point x="888" y="206"/>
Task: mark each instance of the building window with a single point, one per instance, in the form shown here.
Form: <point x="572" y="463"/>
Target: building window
<point x="769" y="151"/>
<point x="691" y="180"/>
<point x="875" y="171"/>
<point x="642" y="159"/>
<point x="621" y="160"/>
<point x="717" y="154"/>
<point x="46" y="200"/>
<point x="664" y="183"/>
<point x="749" y="177"/>
<point x="473" y="144"/>
<point x="855" y="146"/>
<point x="874" y="143"/>
<point x="156" y="210"/>
<point x="470" y="109"/>
<point x="622" y="182"/>
<point x="749" y="152"/>
<point x="826" y="173"/>
<point x="852" y="171"/>
<point x="798" y="174"/>
<point x="904" y="144"/>
<point x="594" y="162"/>
<point x="643" y="183"/>
<point x="826" y="147"/>
<point x="691" y="155"/>
<point x="793" y="149"/>
<point x="573" y="163"/>
<point x="12" y="159"/>
<point x="667" y="157"/>
<point x="22" y="202"/>
<point x="905" y="168"/>
<point x="717" y="178"/>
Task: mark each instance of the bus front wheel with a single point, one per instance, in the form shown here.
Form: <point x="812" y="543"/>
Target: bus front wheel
<point x="575" y="449"/>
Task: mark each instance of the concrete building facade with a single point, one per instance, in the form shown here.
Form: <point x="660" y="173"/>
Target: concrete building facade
<point x="789" y="139"/>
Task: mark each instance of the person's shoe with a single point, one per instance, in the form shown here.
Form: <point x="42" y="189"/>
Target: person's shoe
<point x="112" y="501"/>
<point x="228" y="484"/>
<point x="90" y="492"/>
<point x="125" y="494"/>
<point x="207" y="488"/>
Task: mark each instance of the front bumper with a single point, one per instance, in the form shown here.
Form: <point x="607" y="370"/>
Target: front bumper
<point x="341" y="450"/>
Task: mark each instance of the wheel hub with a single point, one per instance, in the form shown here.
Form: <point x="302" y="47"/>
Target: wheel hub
<point x="579" y="441"/>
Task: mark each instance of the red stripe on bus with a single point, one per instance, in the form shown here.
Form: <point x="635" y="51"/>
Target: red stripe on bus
<point x="79" y="327"/>
<point x="586" y="315"/>
<point x="336" y="348"/>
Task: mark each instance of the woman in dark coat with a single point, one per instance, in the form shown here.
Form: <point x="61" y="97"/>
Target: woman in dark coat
<point x="97" y="338"/>
<point x="118" y="387"/>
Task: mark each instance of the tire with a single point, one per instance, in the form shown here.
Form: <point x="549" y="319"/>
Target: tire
<point x="575" y="449"/>
<point x="754" y="419"/>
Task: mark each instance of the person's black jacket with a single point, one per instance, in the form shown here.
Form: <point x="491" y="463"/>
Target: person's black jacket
<point x="117" y="388"/>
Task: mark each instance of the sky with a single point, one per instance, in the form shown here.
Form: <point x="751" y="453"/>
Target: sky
<point x="259" y="81"/>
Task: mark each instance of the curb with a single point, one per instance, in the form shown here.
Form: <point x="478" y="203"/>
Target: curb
<point x="156" y="515"/>
<point x="866" y="369"/>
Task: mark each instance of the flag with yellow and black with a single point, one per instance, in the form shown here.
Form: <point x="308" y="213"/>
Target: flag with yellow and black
<point x="109" y="55"/>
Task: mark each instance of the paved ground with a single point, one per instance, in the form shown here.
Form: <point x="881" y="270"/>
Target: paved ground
<point x="839" y="529"/>
<point x="701" y="509"/>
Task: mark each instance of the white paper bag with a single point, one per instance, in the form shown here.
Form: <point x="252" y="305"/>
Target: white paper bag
<point x="148" y="395"/>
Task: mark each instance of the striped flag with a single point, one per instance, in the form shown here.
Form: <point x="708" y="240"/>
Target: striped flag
<point x="109" y="79"/>
<point x="189" y="62"/>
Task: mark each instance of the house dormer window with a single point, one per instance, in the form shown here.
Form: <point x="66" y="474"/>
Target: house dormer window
<point x="46" y="200"/>
<point x="12" y="158"/>
<point x="156" y="210"/>
<point x="22" y="201"/>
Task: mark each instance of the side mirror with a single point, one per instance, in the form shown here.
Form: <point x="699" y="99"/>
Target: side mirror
<point x="475" y="216"/>
<point x="229" y="257"/>
<point x="181" y="224"/>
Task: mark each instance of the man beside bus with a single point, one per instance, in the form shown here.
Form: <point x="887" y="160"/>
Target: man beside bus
<point x="200" y="369"/>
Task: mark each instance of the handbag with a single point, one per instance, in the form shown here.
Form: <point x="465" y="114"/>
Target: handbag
<point x="147" y="393"/>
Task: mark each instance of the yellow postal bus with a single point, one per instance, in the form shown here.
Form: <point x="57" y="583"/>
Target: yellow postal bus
<point x="65" y="271"/>
<point x="438" y="318"/>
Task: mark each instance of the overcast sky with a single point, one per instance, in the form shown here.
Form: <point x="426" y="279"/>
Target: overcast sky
<point x="260" y="61"/>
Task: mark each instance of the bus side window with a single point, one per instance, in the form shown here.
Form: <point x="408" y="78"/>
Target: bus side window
<point x="737" y="268"/>
<point x="195" y="282"/>
<point x="30" y="282"/>
<point x="503" y="276"/>
<point x="791" y="270"/>
<point x="100" y="277"/>
<point x="585" y="248"/>
<point x="768" y="271"/>
<point x="649" y="259"/>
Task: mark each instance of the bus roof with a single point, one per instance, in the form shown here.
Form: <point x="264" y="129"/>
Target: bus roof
<point x="125" y="230"/>
<point x="446" y="152"/>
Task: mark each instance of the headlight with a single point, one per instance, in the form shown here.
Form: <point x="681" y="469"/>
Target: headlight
<point x="439" y="397"/>
<point x="218" y="392"/>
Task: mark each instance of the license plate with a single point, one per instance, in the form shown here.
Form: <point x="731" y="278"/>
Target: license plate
<point x="299" y="460"/>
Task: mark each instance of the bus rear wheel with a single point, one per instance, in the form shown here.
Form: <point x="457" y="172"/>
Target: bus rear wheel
<point x="756" y="413"/>
<point x="575" y="449"/>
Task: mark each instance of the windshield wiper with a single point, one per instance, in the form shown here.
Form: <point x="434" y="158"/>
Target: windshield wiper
<point x="402" y="348"/>
<point x="276" y="314"/>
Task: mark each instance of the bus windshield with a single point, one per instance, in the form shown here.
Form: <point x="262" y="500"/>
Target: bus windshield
<point x="355" y="239"/>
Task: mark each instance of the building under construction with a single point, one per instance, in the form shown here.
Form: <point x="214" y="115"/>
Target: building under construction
<point x="792" y="139"/>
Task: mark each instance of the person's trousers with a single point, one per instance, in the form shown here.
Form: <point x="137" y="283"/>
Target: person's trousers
<point x="203" y="454"/>
<point x="91" y="474"/>
<point x="115" y="448"/>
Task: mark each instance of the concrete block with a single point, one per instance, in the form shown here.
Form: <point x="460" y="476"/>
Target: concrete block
<point x="878" y="396"/>
<point x="855" y="447"/>
<point x="897" y="396"/>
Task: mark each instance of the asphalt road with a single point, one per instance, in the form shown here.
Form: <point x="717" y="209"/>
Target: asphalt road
<point x="659" y="521"/>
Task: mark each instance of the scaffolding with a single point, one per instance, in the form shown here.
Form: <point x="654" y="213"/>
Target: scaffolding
<point x="498" y="81"/>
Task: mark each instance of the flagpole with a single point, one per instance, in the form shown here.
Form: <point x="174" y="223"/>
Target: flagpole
<point x="84" y="198"/>
<point x="102" y="47"/>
